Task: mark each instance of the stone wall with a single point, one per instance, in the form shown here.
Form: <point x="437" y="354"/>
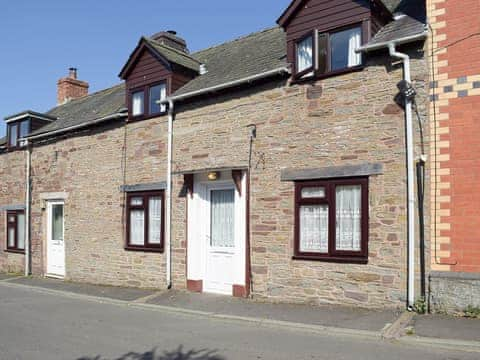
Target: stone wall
<point x="454" y="292"/>
<point x="343" y="120"/>
<point x="12" y="192"/>
<point x="90" y="168"/>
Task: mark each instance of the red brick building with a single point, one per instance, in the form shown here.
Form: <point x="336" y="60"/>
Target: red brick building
<point x="454" y="51"/>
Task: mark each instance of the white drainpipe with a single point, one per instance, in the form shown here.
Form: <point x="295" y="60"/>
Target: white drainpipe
<point x="410" y="177"/>
<point x="27" y="210"/>
<point x="168" y="230"/>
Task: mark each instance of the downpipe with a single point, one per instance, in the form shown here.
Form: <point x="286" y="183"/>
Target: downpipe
<point x="410" y="178"/>
<point x="168" y="235"/>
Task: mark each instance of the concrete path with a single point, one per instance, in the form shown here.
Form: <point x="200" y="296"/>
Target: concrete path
<point x="47" y="324"/>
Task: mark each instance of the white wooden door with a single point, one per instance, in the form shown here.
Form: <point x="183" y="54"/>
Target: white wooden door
<point x="55" y="239"/>
<point x="220" y="257"/>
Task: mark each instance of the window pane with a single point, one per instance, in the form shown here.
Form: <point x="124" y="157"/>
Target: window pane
<point x="314" y="228"/>
<point x="21" y="231"/>
<point x="137" y="103"/>
<point x="158" y="92"/>
<point x="222" y="218"/>
<point x="57" y="222"/>
<point x="313" y="192"/>
<point x="13" y="135"/>
<point x="137" y="227"/>
<point x="11" y="218"/>
<point x="343" y="45"/>
<point x="136" y="201"/>
<point x="348" y="214"/>
<point x="11" y="237"/>
<point x="305" y="54"/>
<point x="154" y="220"/>
<point x="24" y="128"/>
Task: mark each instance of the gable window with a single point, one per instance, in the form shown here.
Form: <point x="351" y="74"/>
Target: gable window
<point x="16" y="131"/>
<point x="138" y="103"/>
<point x="331" y="220"/>
<point x="145" y="227"/>
<point x="305" y="54"/>
<point x="157" y="93"/>
<point x="329" y="52"/>
<point x="16" y="231"/>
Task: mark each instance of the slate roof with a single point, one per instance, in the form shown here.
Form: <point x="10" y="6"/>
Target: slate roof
<point x="250" y="55"/>
<point x="88" y="108"/>
<point x="174" y="55"/>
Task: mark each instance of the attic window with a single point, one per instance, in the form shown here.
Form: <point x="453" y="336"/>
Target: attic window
<point x="138" y="103"/>
<point x="16" y="131"/>
<point x="144" y="101"/>
<point x="157" y="93"/>
<point x="327" y="53"/>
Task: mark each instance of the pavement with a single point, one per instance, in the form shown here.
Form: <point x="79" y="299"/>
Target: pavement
<point x="449" y="333"/>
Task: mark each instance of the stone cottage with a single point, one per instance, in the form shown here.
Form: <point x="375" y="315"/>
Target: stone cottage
<point x="277" y="165"/>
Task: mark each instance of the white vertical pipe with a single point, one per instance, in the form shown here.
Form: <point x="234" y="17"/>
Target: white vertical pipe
<point x="410" y="177"/>
<point x="27" y="211"/>
<point x="168" y="230"/>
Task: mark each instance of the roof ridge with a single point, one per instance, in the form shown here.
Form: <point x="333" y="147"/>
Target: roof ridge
<point x="172" y="49"/>
<point x="276" y="27"/>
<point x="86" y="97"/>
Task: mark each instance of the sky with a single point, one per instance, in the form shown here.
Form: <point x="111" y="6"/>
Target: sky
<point x="40" y="40"/>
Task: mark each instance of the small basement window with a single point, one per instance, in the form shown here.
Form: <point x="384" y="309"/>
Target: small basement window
<point x="331" y="220"/>
<point x="145" y="225"/>
<point x="16" y="231"/>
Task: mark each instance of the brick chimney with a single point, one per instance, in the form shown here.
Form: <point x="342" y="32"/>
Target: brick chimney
<point x="70" y="88"/>
<point x="170" y="38"/>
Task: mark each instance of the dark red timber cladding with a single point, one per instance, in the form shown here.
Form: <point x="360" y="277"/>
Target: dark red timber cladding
<point x="178" y="80"/>
<point x="324" y="15"/>
<point x="147" y="70"/>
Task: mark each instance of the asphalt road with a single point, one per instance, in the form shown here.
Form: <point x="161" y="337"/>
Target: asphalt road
<point x="37" y="325"/>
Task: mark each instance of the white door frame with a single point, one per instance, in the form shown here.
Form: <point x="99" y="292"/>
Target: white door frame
<point x="50" y="204"/>
<point x="199" y="228"/>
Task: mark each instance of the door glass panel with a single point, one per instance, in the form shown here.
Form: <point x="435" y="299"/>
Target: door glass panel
<point x="137" y="227"/>
<point x="57" y="222"/>
<point x="21" y="231"/>
<point x="348" y="214"/>
<point x="11" y="237"/>
<point x="314" y="228"/>
<point x="222" y="218"/>
<point x="154" y="219"/>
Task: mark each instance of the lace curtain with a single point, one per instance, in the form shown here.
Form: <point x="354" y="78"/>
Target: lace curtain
<point x="354" y="42"/>
<point x="222" y="218"/>
<point x="21" y="231"/>
<point x="314" y="228"/>
<point x="305" y="54"/>
<point x="154" y="219"/>
<point x="348" y="217"/>
<point x="137" y="227"/>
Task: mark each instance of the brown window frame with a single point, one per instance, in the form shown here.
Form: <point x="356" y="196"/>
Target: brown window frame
<point x="317" y="35"/>
<point x="145" y="195"/>
<point x="333" y="254"/>
<point x="13" y="225"/>
<point x="18" y="125"/>
<point x="146" y="101"/>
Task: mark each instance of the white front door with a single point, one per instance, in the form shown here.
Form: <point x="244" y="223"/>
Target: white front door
<point x="221" y="249"/>
<point x="55" y="240"/>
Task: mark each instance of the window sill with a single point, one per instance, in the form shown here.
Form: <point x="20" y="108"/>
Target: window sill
<point x="318" y="76"/>
<point x="143" y="249"/>
<point x="13" y="251"/>
<point x="146" y="117"/>
<point x="335" y="259"/>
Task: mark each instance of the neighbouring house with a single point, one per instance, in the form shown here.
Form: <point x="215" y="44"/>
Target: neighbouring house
<point x="272" y="166"/>
<point x="454" y="47"/>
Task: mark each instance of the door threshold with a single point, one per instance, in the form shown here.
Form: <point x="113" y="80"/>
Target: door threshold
<point x="53" y="276"/>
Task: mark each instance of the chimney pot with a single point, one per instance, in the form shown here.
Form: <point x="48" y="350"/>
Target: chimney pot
<point x="72" y="73"/>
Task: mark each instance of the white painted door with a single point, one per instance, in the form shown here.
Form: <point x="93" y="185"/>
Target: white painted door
<point x="55" y="240"/>
<point x="220" y="257"/>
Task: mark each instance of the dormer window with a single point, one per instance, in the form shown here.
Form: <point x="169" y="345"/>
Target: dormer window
<point x="144" y="101"/>
<point x="138" y="103"/>
<point x="326" y="53"/>
<point x="16" y="131"/>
